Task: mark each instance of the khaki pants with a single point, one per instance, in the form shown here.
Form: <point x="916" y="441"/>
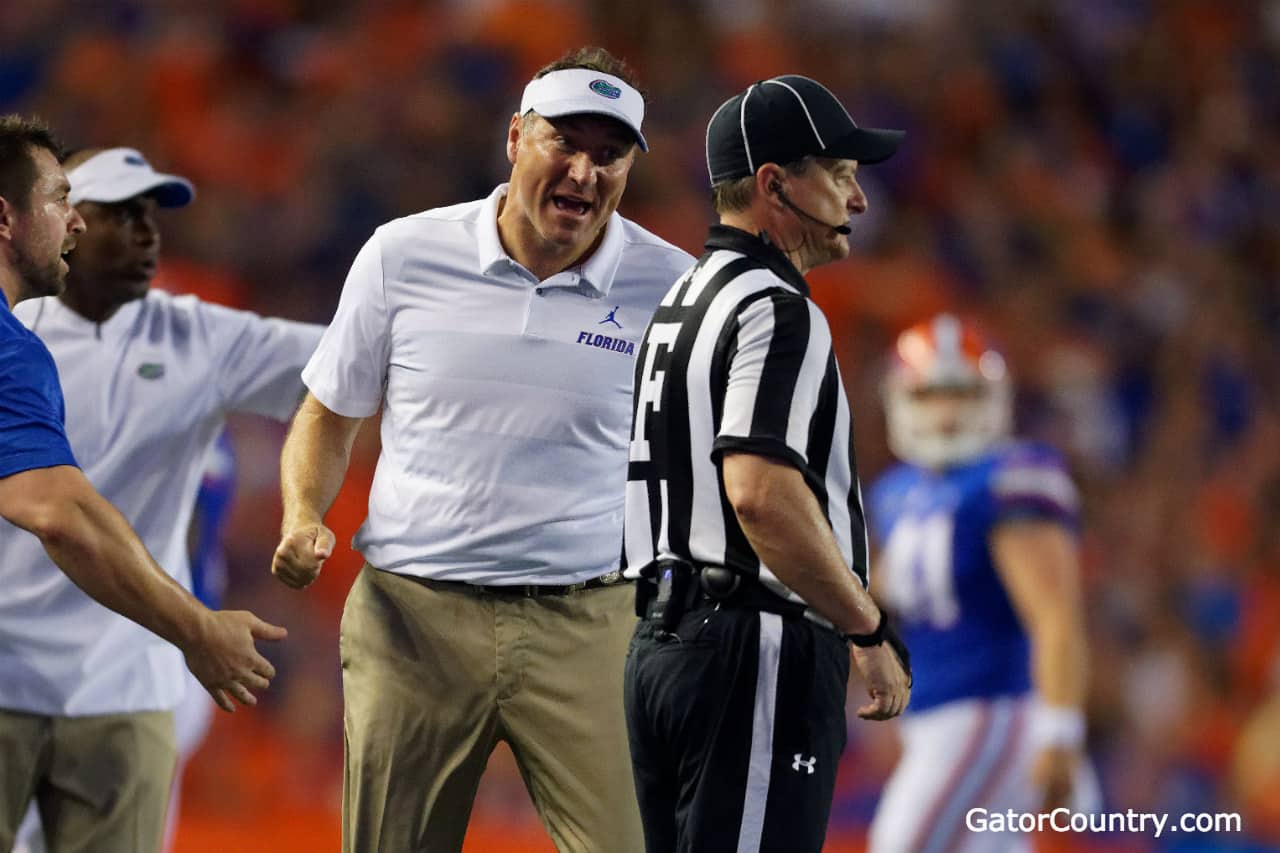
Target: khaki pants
<point x="434" y="675"/>
<point x="101" y="782"/>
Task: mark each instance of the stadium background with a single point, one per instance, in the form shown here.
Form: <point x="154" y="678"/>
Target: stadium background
<point x="1097" y="181"/>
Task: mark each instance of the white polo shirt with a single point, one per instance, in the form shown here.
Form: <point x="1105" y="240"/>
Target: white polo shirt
<point x="147" y="393"/>
<point x="506" y="402"/>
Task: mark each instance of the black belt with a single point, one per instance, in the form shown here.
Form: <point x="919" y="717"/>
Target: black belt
<point x="670" y="588"/>
<point x="524" y="590"/>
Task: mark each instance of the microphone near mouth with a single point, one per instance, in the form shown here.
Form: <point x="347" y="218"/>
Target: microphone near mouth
<point x="782" y="196"/>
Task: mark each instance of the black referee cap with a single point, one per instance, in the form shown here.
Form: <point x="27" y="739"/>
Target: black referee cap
<point x="783" y="119"/>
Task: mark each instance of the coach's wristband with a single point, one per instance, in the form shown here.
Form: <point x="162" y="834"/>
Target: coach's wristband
<point x="866" y="641"/>
<point x="1057" y="726"/>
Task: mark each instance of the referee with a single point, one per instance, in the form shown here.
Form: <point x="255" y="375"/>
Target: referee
<point x="743" y="513"/>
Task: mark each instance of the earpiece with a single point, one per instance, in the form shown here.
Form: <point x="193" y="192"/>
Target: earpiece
<point x="775" y="187"/>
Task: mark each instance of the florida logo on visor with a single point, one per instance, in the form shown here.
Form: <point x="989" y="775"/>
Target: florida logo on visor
<point x="606" y="89"/>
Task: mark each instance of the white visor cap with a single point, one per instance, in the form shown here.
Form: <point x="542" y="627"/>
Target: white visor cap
<point x="581" y="90"/>
<point x="117" y="174"/>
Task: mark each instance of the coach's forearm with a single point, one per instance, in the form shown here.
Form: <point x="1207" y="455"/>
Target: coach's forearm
<point x="95" y="547"/>
<point x="314" y="461"/>
<point x="786" y="528"/>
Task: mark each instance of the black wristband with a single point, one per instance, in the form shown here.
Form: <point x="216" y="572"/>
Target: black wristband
<point x="866" y="641"/>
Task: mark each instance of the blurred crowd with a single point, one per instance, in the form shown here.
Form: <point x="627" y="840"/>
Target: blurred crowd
<point x="1095" y="181"/>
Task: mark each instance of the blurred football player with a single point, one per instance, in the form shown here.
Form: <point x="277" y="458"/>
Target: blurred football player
<point x="978" y="561"/>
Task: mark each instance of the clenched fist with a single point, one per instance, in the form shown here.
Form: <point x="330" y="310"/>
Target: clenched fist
<point x="301" y="553"/>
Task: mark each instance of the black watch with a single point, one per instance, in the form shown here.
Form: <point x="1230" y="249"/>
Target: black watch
<point x="866" y="641"/>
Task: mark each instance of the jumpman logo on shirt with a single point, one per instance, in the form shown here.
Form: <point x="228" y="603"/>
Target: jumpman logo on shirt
<point x="610" y="318"/>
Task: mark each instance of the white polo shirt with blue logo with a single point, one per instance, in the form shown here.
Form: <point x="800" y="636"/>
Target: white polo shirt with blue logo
<point x="147" y="393"/>
<point x="506" y="402"/>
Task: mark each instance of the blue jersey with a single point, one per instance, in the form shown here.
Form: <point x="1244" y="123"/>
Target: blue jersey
<point x="936" y="569"/>
<point x="32" y="414"/>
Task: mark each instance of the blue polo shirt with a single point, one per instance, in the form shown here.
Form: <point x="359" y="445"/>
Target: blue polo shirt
<point x="32" y="414"/>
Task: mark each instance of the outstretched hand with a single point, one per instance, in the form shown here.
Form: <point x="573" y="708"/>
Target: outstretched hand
<point x="225" y="659"/>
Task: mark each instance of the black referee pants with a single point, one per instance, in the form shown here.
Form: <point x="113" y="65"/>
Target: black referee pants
<point x="736" y="726"/>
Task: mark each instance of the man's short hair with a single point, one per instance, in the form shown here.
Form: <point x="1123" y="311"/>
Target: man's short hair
<point x="596" y="59"/>
<point x="735" y="194"/>
<point x="19" y="135"/>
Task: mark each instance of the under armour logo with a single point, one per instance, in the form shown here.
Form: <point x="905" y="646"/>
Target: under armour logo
<point x="610" y="318"/>
<point x="806" y="764"/>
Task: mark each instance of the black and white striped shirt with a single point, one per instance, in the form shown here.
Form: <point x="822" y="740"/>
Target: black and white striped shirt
<point x="737" y="357"/>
